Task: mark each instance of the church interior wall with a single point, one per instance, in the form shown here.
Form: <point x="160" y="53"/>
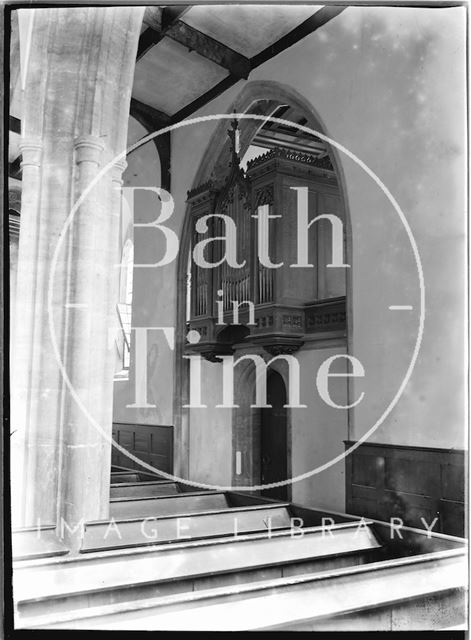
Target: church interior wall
<point x="153" y="292"/>
<point x="427" y="414"/>
<point x="210" y="437"/>
<point x="317" y="434"/>
<point x="411" y="134"/>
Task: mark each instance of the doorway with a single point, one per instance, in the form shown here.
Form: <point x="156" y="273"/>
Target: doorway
<point x="274" y="438"/>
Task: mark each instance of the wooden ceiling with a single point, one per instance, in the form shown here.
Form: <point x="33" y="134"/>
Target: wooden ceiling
<point x="188" y="55"/>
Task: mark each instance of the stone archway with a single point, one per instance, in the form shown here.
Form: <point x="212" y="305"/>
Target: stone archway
<point x="260" y="98"/>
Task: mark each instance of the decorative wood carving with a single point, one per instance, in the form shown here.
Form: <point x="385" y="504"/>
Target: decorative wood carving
<point x="283" y="309"/>
<point x="326" y="315"/>
<point x="297" y="156"/>
<point x="264" y="195"/>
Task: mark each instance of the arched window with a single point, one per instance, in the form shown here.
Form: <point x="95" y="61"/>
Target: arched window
<point x="124" y="306"/>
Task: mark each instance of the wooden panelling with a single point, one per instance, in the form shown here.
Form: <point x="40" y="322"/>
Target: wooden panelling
<point x="151" y="443"/>
<point x="364" y="470"/>
<point x="452" y="517"/>
<point x="415" y="484"/>
<point x="452" y="479"/>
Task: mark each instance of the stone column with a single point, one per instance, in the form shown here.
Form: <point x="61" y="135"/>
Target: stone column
<point x="77" y="96"/>
<point x="22" y="326"/>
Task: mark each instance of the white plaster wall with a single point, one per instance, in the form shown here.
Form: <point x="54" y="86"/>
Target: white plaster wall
<point x="210" y="432"/>
<point x="318" y="433"/>
<point x="153" y="292"/>
<point x="388" y="85"/>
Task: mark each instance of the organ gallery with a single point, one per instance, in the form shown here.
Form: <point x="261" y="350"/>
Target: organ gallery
<point x="279" y="293"/>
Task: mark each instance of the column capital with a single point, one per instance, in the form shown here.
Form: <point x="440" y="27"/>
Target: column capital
<point x="118" y="169"/>
<point x="88" y="148"/>
<point x="31" y="151"/>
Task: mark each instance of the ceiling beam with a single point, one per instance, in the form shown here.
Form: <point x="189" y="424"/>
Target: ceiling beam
<point x="14" y="124"/>
<point x="150" y="118"/>
<point x="14" y="168"/>
<point x="154" y="120"/>
<point x="202" y="100"/>
<point x="147" y="40"/>
<point x="312" y="23"/>
<point x="153" y="34"/>
<point x="195" y="40"/>
<point x="153" y="18"/>
<point x="317" y="20"/>
<point x="172" y="13"/>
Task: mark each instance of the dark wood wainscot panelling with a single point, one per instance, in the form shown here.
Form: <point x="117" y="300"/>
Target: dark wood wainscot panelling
<point x="151" y="443"/>
<point x="389" y="481"/>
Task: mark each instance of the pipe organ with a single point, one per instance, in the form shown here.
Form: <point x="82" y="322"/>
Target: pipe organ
<point x="252" y="287"/>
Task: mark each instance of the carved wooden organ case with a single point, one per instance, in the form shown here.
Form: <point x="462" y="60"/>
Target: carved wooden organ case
<point x="292" y="305"/>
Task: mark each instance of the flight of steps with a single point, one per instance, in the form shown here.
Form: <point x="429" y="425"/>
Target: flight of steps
<point x="181" y="559"/>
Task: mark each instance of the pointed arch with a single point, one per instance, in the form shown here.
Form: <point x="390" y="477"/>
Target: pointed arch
<point x="254" y="97"/>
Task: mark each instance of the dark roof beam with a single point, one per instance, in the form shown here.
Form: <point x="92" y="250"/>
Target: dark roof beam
<point x="150" y="118"/>
<point x="148" y="39"/>
<point x="235" y="63"/>
<point x="15" y="124"/>
<point x="159" y="20"/>
<point x="317" y="20"/>
<point x="153" y="18"/>
<point x="14" y="168"/>
<point x="171" y="14"/>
